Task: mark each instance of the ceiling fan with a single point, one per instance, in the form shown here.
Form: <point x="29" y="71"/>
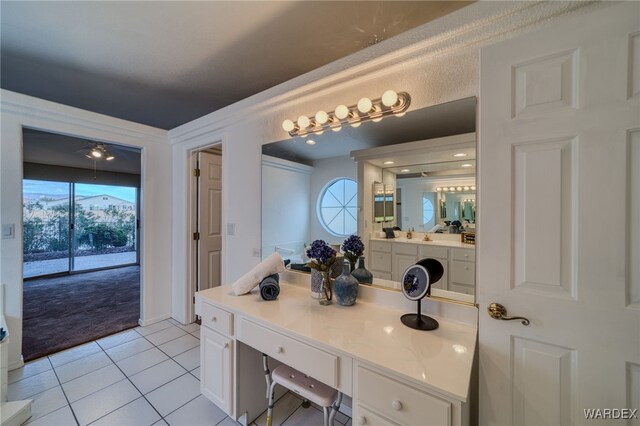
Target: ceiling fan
<point x="96" y="151"/>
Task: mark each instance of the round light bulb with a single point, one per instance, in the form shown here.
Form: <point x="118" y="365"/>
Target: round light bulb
<point x="473" y="188"/>
<point x="288" y="125"/>
<point x="459" y="188"/>
<point x="322" y="117"/>
<point x="96" y="153"/>
<point x="356" y="124"/>
<point x="303" y="121"/>
<point x="311" y="142"/>
<point x="318" y="132"/>
<point x="389" y="98"/>
<point x="466" y="188"/>
<point x="400" y="114"/>
<point x="341" y="112"/>
<point x="438" y="189"/>
<point x="364" y="105"/>
<point x="336" y="128"/>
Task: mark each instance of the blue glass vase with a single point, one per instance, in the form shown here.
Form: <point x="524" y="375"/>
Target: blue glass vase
<point x="362" y="274"/>
<point x="345" y="287"/>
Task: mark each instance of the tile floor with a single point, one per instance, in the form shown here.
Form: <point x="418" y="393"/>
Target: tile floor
<point x="143" y="376"/>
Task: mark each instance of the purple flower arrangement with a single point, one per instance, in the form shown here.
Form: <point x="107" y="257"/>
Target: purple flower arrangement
<point x="353" y="248"/>
<point x="322" y="255"/>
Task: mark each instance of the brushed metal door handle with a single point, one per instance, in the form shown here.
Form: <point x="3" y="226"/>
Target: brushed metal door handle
<point x="499" y="312"/>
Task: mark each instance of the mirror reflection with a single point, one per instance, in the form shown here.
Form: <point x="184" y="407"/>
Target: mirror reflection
<point x="411" y="176"/>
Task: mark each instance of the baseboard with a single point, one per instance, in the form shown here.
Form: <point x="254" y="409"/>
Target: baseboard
<point x="16" y="364"/>
<point x="153" y="320"/>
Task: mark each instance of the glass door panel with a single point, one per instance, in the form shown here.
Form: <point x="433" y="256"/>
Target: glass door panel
<point x="104" y="226"/>
<point x="46" y="210"/>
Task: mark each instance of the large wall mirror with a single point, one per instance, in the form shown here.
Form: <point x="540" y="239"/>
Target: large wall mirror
<point x="420" y="167"/>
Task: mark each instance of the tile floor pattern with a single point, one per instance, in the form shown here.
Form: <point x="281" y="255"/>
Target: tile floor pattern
<point x="143" y="376"/>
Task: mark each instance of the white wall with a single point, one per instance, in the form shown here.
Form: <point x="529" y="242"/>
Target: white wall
<point x="286" y="205"/>
<point x="20" y="111"/>
<point x="435" y="63"/>
<point x="324" y="171"/>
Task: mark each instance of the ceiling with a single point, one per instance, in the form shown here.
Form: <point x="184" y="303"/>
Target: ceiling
<point x="166" y="63"/>
<point x="60" y="150"/>
<point x="451" y="118"/>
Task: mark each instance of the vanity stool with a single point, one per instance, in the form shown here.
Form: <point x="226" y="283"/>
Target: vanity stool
<point x="305" y="386"/>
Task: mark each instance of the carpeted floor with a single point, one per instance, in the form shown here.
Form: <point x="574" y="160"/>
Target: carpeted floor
<point x="66" y="311"/>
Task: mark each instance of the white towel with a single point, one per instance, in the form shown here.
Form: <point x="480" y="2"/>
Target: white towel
<point x="271" y="265"/>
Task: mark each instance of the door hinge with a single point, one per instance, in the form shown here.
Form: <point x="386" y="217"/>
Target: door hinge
<point x="196" y="236"/>
<point x="194" y="300"/>
<point x="196" y="172"/>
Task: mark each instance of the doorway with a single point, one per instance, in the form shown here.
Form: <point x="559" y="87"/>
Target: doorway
<point x="207" y="207"/>
<point x="81" y="245"/>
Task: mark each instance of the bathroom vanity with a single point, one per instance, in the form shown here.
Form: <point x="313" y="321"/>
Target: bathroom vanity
<point x="391" y="257"/>
<point x="394" y="374"/>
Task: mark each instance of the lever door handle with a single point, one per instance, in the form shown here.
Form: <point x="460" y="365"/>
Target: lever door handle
<point x="499" y="312"/>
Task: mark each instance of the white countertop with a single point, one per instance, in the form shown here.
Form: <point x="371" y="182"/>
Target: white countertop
<point x="440" y="359"/>
<point x="420" y="241"/>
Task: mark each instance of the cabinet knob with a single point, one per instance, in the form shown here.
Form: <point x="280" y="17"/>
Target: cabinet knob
<point x="214" y="319"/>
<point x="397" y="405"/>
<point x="362" y="420"/>
<point x="279" y="349"/>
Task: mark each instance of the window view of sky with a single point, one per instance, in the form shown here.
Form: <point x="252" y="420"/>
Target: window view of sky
<point x="36" y="188"/>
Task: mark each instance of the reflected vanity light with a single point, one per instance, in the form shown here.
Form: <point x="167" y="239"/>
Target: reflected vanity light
<point x="405" y="170"/>
<point x="388" y="162"/>
<point x="459" y="349"/>
<point x="310" y="142"/>
<point x="460" y="154"/>
<point x="391" y="103"/>
<point x="388" y="329"/>
<point x="455" y="188"/>
<point x="467" y="165"/>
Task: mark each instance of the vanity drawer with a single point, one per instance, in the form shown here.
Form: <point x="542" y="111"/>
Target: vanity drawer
<point x="380" y="262"/>
<point x="408" y="249"/>
<point x="434" y="251"/>
<point x="468" y="255"/>
<point x="310" y="360"/>
<point x="463" y="272"/>
<point x="381" y="246"/>
<point x="217" y="319"/>
<point x="400" y="402"/>
<point x="368" y="418"/>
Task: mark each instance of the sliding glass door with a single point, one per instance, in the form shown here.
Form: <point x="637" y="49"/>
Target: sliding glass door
<point x="72" y="227"/>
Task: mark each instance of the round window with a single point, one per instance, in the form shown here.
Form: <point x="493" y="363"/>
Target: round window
<point x="337" y="207"/>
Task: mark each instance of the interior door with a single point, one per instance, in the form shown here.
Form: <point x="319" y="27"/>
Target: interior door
<point x="209" y="220"/>
<point x="559" y="124"/>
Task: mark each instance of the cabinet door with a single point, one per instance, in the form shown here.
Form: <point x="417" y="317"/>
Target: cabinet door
<point x="216" y="359"/>
<point x="401" y="262"/>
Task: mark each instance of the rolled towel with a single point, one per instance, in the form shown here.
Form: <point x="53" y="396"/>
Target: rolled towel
<point x="270" y="287"/>
<point x="271" y="265"/>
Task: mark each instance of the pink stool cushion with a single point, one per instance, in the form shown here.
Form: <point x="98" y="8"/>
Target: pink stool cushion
<point x="304" y="385"/>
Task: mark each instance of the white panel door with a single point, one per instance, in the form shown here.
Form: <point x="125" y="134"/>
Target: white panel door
<point x="209" y="220"/>
<point x="216" y="355"/>
<point x="559" y="126"/>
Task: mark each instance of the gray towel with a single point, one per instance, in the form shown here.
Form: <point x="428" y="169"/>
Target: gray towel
<point x="270" y="287"/>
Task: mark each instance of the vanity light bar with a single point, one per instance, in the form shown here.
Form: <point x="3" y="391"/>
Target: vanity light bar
<point x="455" y="188"/>
<point x="391" y="103"/>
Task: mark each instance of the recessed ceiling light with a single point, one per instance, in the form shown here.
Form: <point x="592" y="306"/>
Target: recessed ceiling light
<point x="467" y="165"/>
<point x="388" y="162"/>
<point x="405" y="170"/>
<point x="460" y="154"/>
<point x="311" y="142"/>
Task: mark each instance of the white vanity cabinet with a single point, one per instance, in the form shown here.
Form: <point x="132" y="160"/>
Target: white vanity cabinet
<point x="389" y="260"/>
<point x="216" y="356"/>
<point x="386" y="400"/>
